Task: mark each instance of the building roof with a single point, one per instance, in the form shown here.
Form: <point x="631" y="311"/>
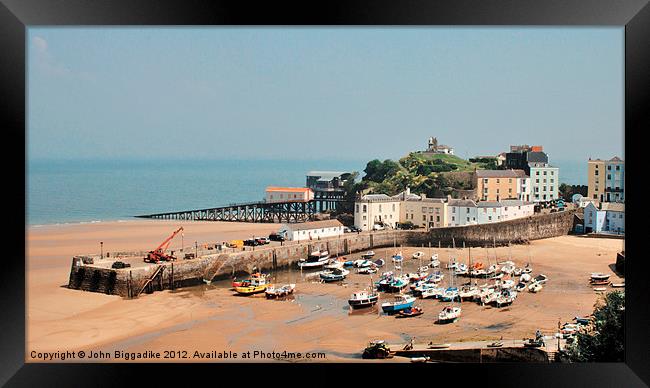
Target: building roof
<point x="462" y="202"/>
<point x="489" y="204"/>
<point x="500" y="173"/>
<point x="616" y="159"/>
<point x="326" y="175"/>
<point x="537" y="157"/>
<point x="290" y="189"/>
<point x="514" y="202"/>
<point x="613" y="207"/>
<point x="404" y="196"/>
<point x="431" y="200"/>
<point x="314" y="225"/>
<point x="378" y="197"/>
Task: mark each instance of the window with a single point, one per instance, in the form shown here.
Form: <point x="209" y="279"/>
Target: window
<point x="453" y="218"/>
<point x="357" y="208"/>
<point x="609" y="168"/>
<point x="453" y="210"/>
<point x="393" y="207"/>
<point x="536" y="172"/>
<point x="552" y="172"/>
<point x="424" y="217"/>
<point x="489" y="218"/>
<point x="430" y="210"/>
<point x="536" y="180"/>
<point x="467" y="210"/>
<point x="380" y="208"/>
<point x="424" y="210"/>
<point x="467" y="219"/>
<point x="596" y="172"/>
<point x="497" y="180"/>
<point x="609" y="176"/>
<point x="544" y="172"/>
<point x="510" y="180"/>
<point x="618" y="168"/>
<point x="437" y="218"/>
<point x="430" y="218"/>
<point x="485" y="190"/>
<point x="485" y="180"/>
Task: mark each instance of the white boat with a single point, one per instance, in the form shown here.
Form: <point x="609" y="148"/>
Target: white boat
<point x="367" y="270"/>
<point x="368" y="255"/>
<point x="508" y="268"/>
<point x="433" y="292"/>
<point x="535" y="287"/>
<point x="506" y="297"/>
<point x="362" y="263"/>
<point x="361" y="299"/>
<point x="508" y="283"/>
<point x="618" y="285"/>
<point x="483" y="292"/>
<point x="517" y="271"/>
<point x="525" y="278"/>
<point x="334" y="264"/>
<point x="489" y="297"/>
<point x="467" y="292"/>
<point x="418" y="255"/>
<point x="423" y="269"/>
<point x="599" y="277"/>
<point x="461" y="269"/>
<point x="398" y="258"/>
<point x="541" y="279"/>
<point x="274" y="291"/>
<point x="315" y="259"/>
<point x="453" y="264"/>
<point x="449" y="314"/>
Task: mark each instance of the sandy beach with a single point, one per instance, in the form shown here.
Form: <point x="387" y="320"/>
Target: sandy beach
<point x="317" y="318"/>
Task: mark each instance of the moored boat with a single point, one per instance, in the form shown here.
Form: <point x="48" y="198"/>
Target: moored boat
<point x="410" y="312"/>
<point x="362" y="299"/>
<point x="334" y="275"/>
<point x="400" y="302"/>
<point x="506" y="297"/>
<point x="449" y="314"/>
<point x="255" y="286"/>
<point x="278" y="292"/>
<point x="433" y="292"/>
<point x="535" y="287"/>
<point x="418" y="255"/>
<point x="450" y="294"/>
<point x="368" y="255"/>
<point x="315" y="259"/>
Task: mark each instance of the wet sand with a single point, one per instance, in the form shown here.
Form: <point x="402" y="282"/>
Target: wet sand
<point x="316" y="319"/>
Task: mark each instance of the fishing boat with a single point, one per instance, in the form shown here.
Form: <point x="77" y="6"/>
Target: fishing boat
<point x="243" y="282"/>
<point x="348" y="264"/>
<point x="410" y="312"/>
<point x="418" y="255"/>
<point x="315" y="259"/>
<point x="535" y="287"/>
<point x="368" y="255"/>
<point x="362" y="299"/>
<point x="273" y="291"/>
<point x="506" y="297"/>
<point x="256" y="285"/>
<point x="449" y="314"/>
<point x="400" y="302"/>
<point x="334" y="275"/>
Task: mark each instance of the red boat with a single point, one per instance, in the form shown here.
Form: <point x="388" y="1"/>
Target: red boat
<point x="410" y="312"/>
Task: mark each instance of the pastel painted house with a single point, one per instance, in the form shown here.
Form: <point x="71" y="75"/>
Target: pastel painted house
<point x="608" y="218"/>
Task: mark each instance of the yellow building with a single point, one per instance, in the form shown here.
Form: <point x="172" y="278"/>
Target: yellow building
<point x="422" y="211"/>
<point x="596" y="180"/>
<point x="496" y="185"/>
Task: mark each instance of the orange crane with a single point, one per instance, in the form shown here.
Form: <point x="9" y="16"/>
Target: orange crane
<point x="159" y="254"/>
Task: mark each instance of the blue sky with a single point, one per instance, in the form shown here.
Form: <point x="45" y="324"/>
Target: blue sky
<point x="314" y="93"/>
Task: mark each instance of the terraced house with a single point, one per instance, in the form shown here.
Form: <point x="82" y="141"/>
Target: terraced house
<point x="422" y="211"/>
<point x="495" y="185"/>
<point x="606" y="180"/>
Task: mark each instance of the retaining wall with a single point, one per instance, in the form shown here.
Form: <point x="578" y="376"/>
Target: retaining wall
<point x="128" y="282"/>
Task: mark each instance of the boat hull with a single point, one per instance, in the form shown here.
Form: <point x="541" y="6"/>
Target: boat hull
<point x="363" y="303"/>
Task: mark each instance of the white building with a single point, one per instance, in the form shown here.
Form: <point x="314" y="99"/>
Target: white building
<point x="462" y="212"/>
<point x="378" y="209"/>
<point x="513" y="209"/>
<point x="312" y="230"/>
<point x="544" y="182"/>
<point x="609" y="218"/>
<point x="288" y="194"/>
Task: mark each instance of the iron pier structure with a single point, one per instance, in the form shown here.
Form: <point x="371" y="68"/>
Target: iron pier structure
<point x="270" y="212"/>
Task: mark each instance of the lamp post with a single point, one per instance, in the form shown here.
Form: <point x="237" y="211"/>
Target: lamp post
<point x="196" y="249"/>
<point x="101" y="249"/>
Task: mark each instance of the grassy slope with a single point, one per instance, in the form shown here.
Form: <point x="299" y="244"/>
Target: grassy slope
<point x="460" y="163"/>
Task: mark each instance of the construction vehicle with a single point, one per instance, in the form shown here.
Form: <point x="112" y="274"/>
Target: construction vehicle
<point x="159" y="254"/>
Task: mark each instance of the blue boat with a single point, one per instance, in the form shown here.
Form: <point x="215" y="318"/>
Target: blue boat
<point x="334" y="275"/>
<point x="397" y="284"/>
<point x="450" y="294"/>
<point x="401" y="302"/>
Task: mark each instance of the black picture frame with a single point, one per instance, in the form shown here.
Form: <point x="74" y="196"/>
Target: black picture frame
<point x="17" y="15"/>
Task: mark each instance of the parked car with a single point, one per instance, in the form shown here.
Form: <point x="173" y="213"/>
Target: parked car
<point x="378" y="227"/>
<point x="263" y="240"/>
<point x="120" y="264"/>
<point x="276" y="237"/>
<point x="251" y="242"/>
<point x="354" y="229"/>
<point x="405" y="226"/>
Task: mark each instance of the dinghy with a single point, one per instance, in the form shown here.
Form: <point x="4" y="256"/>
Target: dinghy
<point x="418" y="255"/>
<point x="535" y="287"/>
<point x="278" y="292"/>
<point x="410" y="312"/>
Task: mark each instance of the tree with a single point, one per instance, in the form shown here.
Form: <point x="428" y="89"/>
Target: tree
<point x="603" y="341"/>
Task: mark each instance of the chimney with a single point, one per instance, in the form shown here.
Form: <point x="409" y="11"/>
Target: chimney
<point x="408" y="190"/>
<point x="448" y="197"/>
<point x="423" y="196"/>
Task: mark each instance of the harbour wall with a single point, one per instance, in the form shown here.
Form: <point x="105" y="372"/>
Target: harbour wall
<point x="130" y="282"/>
<point x="511" y="354"/>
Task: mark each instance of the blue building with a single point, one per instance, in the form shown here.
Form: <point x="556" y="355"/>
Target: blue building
<point x="609" y="217"/>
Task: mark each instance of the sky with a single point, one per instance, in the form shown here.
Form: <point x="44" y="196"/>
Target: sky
<point x="317" y="93"/>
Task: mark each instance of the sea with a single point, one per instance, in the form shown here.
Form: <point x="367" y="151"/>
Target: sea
<point x="88" y="191"/>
